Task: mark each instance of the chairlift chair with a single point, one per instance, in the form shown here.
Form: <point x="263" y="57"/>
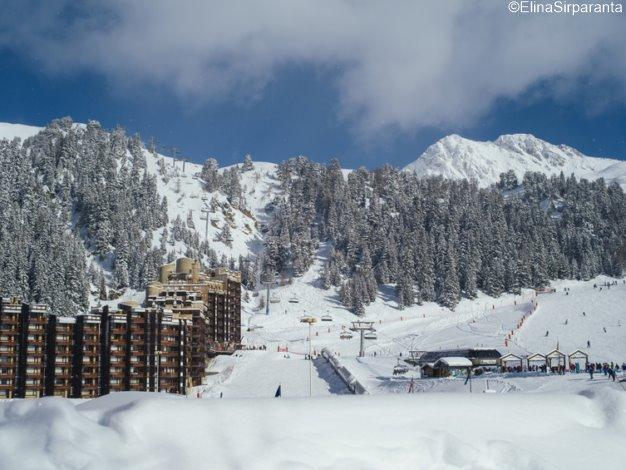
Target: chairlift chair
<point x="327" y="317"/>
<point x="345" y="335"/>
<point x="294" y="300"/>
<point x="400" y="369"/>
<point x="370" y="335"/>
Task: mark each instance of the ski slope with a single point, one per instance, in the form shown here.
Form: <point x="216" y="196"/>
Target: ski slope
<point x="482" y="322"/>
<point x="250" y="374"/>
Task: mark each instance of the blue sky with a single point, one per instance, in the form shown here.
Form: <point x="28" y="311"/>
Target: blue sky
<point x="313" y="99"/>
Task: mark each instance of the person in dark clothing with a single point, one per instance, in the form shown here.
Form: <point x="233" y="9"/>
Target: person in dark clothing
<point x="611" y="373"/>
<point x="588" y="343"/>
<point x="590" y="370"/>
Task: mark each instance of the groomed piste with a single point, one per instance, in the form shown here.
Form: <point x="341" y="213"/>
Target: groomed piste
<point x="425" y="431"/>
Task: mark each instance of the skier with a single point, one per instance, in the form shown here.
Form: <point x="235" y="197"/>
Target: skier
<point x="590" y="369"/>
<point x="566" y="321"/>
<point x="604" y="329"/>
<point x="547" y="333"/>
<point x="584" y="315"/>
<point x="588" y="343"/>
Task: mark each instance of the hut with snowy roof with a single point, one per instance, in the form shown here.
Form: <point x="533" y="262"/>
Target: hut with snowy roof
<point x="536" y="361"/>
<point x="511" y="362"/>
<point x="579" y="360"/>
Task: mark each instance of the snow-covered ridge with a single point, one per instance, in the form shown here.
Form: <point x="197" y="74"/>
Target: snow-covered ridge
<point x="10" y="131"/>
<point x="456" y="157"/>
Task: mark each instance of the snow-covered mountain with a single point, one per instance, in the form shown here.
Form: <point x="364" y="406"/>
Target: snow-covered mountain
<point x="217" y="222"/>
<point x="456" y="157"/>
<point x="187" y="197"/>
<point x="10" y="131"/>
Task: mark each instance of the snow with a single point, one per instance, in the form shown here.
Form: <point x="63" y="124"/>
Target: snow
<point x="258" y="374"/>
<point x="10" y="131"/>
<point x="456" y="157"/>
<point x="125" y="430"/>
<point x="187" y="197"/>
<point x="484" y="322"/>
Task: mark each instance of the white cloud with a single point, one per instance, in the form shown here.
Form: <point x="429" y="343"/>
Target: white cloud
<point x="401" y="64"/>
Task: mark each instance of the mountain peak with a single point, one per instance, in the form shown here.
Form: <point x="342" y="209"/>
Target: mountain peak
<point x="456" y="157"/>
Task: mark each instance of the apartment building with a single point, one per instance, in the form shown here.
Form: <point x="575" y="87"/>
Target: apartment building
<point x="164" y="345"/>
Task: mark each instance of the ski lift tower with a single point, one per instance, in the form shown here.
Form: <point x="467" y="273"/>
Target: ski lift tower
<point x="310" y="320"/>
<point x="361" y="327"/>
<point x="270" y="278"/>
<point x="205" y="210"/>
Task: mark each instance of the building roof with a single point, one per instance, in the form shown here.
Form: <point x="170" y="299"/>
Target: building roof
<point x="536" y="357"/>
<point x="511" y="356"/>
<point x="555" y="353"/>
<point x="579" y="352"/>
<point x="454" y="362"/>
<point x="470" y="353"/>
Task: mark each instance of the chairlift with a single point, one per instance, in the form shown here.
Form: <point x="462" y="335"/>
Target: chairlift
<point x="294" y="300"/>
<point x="345" y="335"/>
<point x="370" y="335"/>
<point x="400" y="369"/>
<point x="274" y="299"/>
<point x="327" y="317"/>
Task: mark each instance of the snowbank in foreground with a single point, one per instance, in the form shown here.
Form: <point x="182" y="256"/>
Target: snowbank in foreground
<point x="147" y="431"/>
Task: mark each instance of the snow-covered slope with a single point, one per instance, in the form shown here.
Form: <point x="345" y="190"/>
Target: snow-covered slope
<point x="456" y="157"/>
<point x="187" y="198"/>
<point x="10" y="131"/>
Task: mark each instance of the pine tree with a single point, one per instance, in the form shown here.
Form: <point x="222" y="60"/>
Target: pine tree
<point x="247" y="163"/>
